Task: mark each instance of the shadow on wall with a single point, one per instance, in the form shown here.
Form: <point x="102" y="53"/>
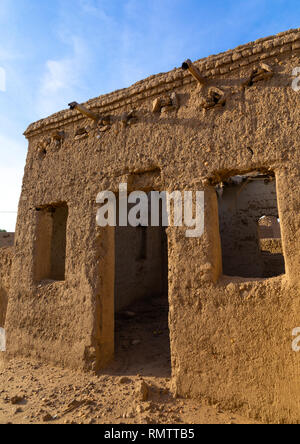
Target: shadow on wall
<point x="3" y="306"/>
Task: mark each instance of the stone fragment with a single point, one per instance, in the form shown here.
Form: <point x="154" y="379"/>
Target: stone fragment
<point x="216" y="98"/>
<point x="142" y="391"/>
<point x="156" y="105"/>
<point x="124" y="380"/>
<point x="104" y="128"/>
<point x="17" y="400"/>
<point x="140" y="409"/>
<point x="47" y="417"/>
<point x="296" y="45"/>
<point x="174" y="100"/>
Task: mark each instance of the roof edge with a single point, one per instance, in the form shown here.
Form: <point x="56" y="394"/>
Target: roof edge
<point x="210" y="66"/>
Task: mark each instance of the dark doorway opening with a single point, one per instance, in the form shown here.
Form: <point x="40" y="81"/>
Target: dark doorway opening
<point x="142" y="344"/>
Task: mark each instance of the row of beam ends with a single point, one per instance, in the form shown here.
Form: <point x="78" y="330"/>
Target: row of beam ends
<point x="216" y="97"/>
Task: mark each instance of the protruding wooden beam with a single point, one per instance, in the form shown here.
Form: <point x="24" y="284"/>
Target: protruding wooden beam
<point x="83" y="110"/>
<point x="194" y="71"/>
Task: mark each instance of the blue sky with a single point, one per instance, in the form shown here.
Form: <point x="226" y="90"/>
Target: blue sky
<point x="54" y="52"/>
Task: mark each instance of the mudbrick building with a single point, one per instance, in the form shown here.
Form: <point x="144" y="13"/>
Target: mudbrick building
<point x="227" y="125"/>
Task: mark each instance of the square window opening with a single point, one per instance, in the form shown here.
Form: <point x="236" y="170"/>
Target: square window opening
<point x="250" y="226"/>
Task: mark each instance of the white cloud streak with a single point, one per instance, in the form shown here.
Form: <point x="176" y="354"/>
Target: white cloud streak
<point x="10" y="189"/>
<point x="62" y="79"/>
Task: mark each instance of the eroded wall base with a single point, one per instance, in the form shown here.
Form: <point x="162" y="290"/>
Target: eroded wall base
<point x="6" y="257"/>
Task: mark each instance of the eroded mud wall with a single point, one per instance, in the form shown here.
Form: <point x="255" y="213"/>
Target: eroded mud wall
<point x="6" y="257"/>
<point x="230" y="337"/>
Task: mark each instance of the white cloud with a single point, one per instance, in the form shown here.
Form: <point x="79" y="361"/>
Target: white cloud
<point x="12" y="150"/>
<point x="96" y="9"/>
<point x="10" y="189"/>
<point x="88" y="6"/>
<point x="62" y="79"/>
<point x="11" y="174"/>
<point x="8" y="55"/>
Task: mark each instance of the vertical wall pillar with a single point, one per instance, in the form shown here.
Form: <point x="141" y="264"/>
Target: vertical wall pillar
<point x="194" y="265"/>
<point x="105" y="312"/>
<point x="288" y="204"/>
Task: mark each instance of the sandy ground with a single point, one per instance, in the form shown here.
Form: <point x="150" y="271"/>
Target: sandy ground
<point x="35" y="393"/>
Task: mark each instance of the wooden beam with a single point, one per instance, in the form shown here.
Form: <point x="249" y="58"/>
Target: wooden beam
<point x="194" y="71"/>
<point x="83" y="110"/>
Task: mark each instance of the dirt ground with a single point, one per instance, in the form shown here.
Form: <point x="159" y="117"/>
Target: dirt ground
<point x="35" y="393"/>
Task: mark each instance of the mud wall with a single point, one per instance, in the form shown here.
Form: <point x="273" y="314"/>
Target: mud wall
<point x="269" y="228"/>
<point x="230" y="336"/>
<point x="6" y="257"/>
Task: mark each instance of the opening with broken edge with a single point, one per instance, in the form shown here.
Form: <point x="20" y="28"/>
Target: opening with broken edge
<point x="245" y="203"/>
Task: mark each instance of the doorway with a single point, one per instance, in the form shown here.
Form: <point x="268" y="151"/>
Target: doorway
<point x="142" y="344"/>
